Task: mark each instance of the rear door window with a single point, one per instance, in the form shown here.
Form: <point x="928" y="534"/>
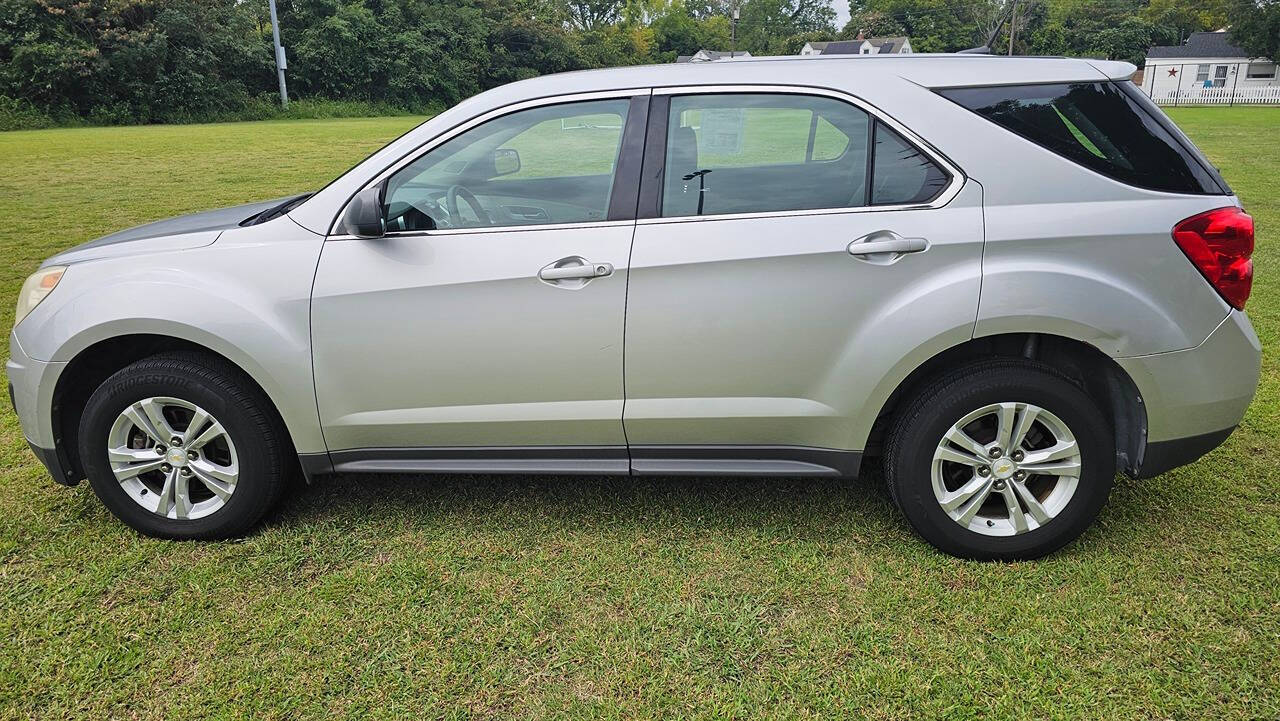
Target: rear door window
<point x="765" y="152"/>
<point x="1097" y="125"/>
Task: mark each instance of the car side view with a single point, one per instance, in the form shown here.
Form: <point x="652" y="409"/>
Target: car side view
<point x="1004" y="279"/>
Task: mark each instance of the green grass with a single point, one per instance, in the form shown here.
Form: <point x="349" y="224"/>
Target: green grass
<point x="473" y="597"/>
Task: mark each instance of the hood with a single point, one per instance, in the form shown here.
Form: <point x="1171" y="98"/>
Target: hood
<point x="180" y="233"/>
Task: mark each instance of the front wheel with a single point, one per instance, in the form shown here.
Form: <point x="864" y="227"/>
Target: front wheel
<point x="1003" y="459"/>
<point x="183" y="446"/>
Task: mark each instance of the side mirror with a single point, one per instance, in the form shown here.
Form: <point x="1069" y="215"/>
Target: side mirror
<point x="364" y="217"/>
<point x="506" y="161"/>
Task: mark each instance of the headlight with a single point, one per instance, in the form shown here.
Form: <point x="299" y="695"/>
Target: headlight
<point x="37" y="288"/>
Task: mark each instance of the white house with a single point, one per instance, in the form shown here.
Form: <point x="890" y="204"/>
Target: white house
<point x="707" y="56"/>
<point x="1209" y="69"/>
<point x="859" y="46"/>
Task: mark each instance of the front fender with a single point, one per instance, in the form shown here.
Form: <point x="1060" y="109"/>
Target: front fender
<point x="246" y="297"/>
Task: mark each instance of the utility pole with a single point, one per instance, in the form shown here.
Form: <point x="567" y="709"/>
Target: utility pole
<point x="733" y="33"/>
<point x="1013" y="25"/>
<point x="281" y="63"/>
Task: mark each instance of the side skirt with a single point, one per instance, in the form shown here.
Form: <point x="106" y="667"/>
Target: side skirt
<point x="593" y="460"/>
<point x="743" y="461"/>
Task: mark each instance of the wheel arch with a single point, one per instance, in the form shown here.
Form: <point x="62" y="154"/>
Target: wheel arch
<point x="94" y="363"/>
<point x="1098" y="374"/>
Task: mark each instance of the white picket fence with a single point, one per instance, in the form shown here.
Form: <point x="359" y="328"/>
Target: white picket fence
<point x="1269" y="95"/>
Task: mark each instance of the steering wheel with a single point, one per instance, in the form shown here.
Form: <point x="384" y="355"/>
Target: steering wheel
<point x="451" y="204"/>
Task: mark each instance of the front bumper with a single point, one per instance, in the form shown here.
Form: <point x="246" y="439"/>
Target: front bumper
<point x="1194" y="398"/>
<point x="31" y="384"/>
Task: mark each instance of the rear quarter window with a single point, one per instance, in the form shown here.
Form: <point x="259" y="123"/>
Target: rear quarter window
<point x="902" y="175"/>
<point x="1096" y="125"/>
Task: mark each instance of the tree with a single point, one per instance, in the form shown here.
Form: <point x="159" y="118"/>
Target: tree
<point x="593" y="14"/>
<point x="676" y="32"/>
<point x="871" y="23"/>
<point x="614" y="46"/>
<point x="991" y="17"/>
<point x="409" y="52"/>
<point x="116" y="61"/>
<point x="763" y="20"/>
<point x="1084" y="27"/>
<point x="119" y="61"/>
<point x="525" y="48"/>
<point x="1255" y="26"/>
<point x="1184" y="17"/>
<point x="1130" y="39"/>
<point x="934" y="26"/>
<point x="1030" y="18"/>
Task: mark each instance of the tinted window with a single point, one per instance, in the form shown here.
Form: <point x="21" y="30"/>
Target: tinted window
<point x="901" y="174"/>
<point x="553" y="164"/>
<point x="757" y="153"/>
<point x="1096" y="125"/>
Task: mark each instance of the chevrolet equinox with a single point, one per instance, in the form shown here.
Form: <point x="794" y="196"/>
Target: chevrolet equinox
<point x="1005" y="279"/>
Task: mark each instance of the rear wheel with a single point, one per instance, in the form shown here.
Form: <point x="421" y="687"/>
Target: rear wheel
<point x="183" y="446"/>
<point x="1003" y="459"/>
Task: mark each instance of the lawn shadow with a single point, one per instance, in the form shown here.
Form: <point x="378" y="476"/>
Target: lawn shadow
<point x="795" y="508"/>
<point x="819" y="508"/>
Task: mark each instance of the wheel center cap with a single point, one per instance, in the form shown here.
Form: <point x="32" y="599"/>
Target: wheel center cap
<point x="1003" y="468"/>
<point x="176" y="457"/>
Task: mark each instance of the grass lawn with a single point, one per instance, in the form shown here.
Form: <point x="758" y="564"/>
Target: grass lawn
<point x="461" y="597"/>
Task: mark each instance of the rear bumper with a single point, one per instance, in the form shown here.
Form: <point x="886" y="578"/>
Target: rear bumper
<point x="1195" y="398"/>
<point x="1164" y="456"/>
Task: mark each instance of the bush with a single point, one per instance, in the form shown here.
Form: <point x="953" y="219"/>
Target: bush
<point x="21" y="115"/>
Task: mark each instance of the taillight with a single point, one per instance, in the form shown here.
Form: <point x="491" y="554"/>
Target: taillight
<point x="1220" y="243"/>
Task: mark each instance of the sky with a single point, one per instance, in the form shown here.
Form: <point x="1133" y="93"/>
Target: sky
<point x="842" y="12"/>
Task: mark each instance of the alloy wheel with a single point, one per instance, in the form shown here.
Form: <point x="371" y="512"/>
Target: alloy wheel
<point x="173" y="458"/>
<point x="1006" y="469"/>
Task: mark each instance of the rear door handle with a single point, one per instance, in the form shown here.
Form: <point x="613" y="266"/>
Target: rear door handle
<point x="878" y="243"/>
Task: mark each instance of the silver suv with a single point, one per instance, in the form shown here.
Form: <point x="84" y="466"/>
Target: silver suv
<point x="1007" y="278"/>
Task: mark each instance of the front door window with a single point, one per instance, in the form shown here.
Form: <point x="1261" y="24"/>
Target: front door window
<point x="551" y="164"/>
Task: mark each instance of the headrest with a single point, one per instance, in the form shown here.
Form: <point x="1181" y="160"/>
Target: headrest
<point x="683" y="152"/>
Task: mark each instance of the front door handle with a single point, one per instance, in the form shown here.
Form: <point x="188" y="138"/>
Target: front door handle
<point x="886" y="242"/>
<point x="574" y="267"/>
<point x="897" y="245"/>
<point x="885" y="247"/>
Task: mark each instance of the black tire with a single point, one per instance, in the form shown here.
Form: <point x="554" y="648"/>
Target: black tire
<point x="225" y="392"/>
<point x="929" y="413"/>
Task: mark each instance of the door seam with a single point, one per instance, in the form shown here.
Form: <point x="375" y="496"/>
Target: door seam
<point x="626" y="291"/>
